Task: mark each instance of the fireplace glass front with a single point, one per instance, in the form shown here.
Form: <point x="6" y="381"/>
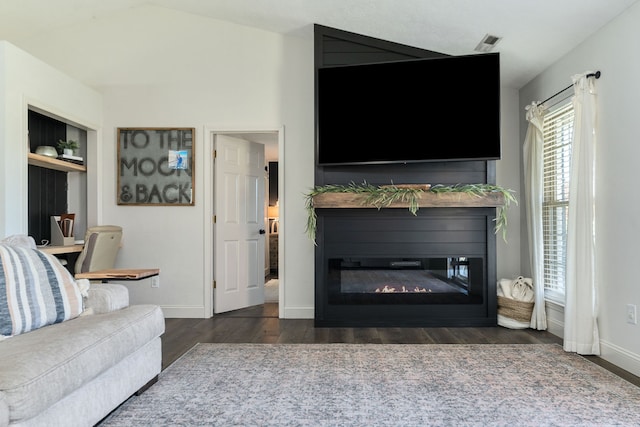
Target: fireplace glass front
<point x="440" y="280"/>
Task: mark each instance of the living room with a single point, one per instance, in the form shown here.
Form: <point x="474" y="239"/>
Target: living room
<point x="154" y="66"/>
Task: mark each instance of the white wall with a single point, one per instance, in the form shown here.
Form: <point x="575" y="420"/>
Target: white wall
<point x="156" y="67"/>
<point x="27" y="81"/>
<point x="508" y="176"/>
<point x="612" y="50"/>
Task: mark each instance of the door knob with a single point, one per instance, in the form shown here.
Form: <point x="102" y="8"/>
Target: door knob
<point x="262" y="231"/>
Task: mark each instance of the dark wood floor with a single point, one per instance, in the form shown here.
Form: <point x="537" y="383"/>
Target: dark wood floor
<point x="260" y="324"/>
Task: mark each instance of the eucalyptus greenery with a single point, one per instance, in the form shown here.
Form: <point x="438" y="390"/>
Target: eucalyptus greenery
<point x="383" y="196"/>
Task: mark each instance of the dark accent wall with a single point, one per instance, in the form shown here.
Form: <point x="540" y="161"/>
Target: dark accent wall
<point x="337" y="47"/>
<point x="47" y="188"/>
<point x="446" y="173"/>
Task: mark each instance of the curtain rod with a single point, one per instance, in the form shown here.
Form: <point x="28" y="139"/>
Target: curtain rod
<point x="597" y="75"/>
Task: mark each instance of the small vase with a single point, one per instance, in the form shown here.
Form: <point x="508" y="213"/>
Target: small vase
<point x="68" y="151"/>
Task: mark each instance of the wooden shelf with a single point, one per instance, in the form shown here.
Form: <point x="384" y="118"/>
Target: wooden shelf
<point x="51" y="163"/>
<point x="119" y="274"/>
<point x="60" y="250"/>
<point x="427" y="200"/>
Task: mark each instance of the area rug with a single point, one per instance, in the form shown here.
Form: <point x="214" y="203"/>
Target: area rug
<point x="271" y="291"/>
<point x="382" y="385"/>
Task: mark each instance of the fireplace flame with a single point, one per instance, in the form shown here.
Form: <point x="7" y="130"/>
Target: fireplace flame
<point x="391" y="288"/>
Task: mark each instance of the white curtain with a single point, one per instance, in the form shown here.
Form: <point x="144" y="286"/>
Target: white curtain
<point x="581" y="305"/>
<point x="532" y="153"/>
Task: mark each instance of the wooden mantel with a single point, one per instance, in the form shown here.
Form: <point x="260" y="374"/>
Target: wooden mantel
<point x="427" y="199"/>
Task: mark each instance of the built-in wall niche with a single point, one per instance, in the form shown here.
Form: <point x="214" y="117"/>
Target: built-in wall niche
<point x="53" y="190"/>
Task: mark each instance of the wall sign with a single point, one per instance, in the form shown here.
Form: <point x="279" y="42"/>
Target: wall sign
<point x="156" y="166"/>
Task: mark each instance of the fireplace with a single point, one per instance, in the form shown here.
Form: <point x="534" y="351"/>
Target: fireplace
<point x="442" y="232"/>
<point x="390" y="268"/>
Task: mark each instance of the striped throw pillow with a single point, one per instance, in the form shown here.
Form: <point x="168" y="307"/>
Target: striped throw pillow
<point x="35" y="290"/>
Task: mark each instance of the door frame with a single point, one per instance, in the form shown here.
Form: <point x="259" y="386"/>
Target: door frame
<point x="210" y="133"/>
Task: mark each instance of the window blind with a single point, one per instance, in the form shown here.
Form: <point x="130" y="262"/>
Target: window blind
<point x="558" y="137"/>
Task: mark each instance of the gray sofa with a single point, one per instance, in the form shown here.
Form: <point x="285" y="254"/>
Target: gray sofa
<point x="76" y="372"/>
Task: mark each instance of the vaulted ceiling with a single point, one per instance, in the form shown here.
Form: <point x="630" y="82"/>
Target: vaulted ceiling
<point x="534" y="33"/>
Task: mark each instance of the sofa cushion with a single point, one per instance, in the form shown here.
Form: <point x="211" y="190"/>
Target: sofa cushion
<point x="43" y="366"/>
<point x="106" y="297"/>
<point x="19" y="240"/>
<point x="35" y="290"/>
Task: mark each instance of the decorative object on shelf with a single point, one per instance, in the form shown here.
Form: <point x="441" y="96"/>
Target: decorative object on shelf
<point x="47" y="150"/>
<point x="62" y="229"/>
<point x="71" y="158"/>
<point x="156" y="166"/>
<point x="410" y="195"/>
<point x="68" y="147"/>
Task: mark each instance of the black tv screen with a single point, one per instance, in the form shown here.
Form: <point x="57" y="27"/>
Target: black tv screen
<point x="439" y="109"/>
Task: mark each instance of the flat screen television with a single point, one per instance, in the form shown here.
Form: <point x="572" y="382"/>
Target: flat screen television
<point x="422" y="110"/>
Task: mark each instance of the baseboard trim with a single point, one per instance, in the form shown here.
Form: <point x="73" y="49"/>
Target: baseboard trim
<point x="555" y="318"/>
<point x="198" y="312"/>
<point x="612" y="353"/>
<point x="620" y="357"/>
<point x="555" y="327"/>
<point x="299" y="313"/>
<point x="195" y="312"/>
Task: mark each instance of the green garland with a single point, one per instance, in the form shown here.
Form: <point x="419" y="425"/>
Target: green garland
<point x="383" y="196"/>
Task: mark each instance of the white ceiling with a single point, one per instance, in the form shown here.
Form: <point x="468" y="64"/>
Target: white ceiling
<point x="534" y="33"/>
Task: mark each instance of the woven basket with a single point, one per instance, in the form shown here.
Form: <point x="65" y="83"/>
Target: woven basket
<point x="514" y="309"/>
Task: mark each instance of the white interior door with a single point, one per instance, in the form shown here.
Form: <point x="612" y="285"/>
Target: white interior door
<point x="239" y="233"/>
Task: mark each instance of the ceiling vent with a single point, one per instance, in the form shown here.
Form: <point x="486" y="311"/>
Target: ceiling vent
<point x="487" y="43"/>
